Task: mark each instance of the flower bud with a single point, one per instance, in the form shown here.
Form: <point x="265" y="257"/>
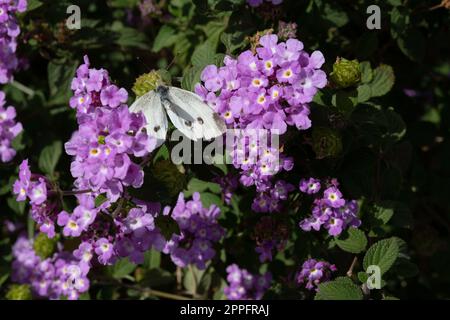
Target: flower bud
<point x="287" y="30"/>
<point x="44" y="246"/>
<point x="147" y="82"/>
<point x="326" y="142"/>
<point x="346" y="73"/>
<point x="19" y="292"/>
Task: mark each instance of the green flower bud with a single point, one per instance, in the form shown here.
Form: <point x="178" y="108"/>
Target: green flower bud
<point x="346" y="73"/>
<point x="19" y="292"/>
<point x="147" y="82"/>
<point x="44" y="246"/>
<point x="326" y="142"/>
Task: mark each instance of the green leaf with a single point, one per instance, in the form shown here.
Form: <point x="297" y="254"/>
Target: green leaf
<point x="166" y="37"/>
<point x="364" y="93"/>
<point x="203" y="55"/>
<point x="345" y="101"/>
<point x="33" y="4"/>
<point x="334" y="14"/>
<point x="59" y="79"/>
<point x="152" y="259"/>
<point x="341" y="288"/>
<point x="399" y="21"/>
<point x="353" y="240"/>
<point x="123" y="3"/>
<point x="122" y="268"/>
<point x="382" y="254"/>
<point x="380" y="213"/>
<point x="383" y="80"/>
<point x="129" y="37"/>
<point x="197" y="185"/>
<point x="233" y="41"/>
<point x="366" y="72"/>
<point x="100" y="199"/>
<point x="17" y="143"/>
<point x="16" y="206"/>
<point x="49" y="157"/>
<point x="190" y="78"/>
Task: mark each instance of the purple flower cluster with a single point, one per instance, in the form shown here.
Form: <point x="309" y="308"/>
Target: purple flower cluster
<point x="9" y="129"/>
<point x="9" y="31"/>
<point x="330" y="209"/>
<point x="129" y="234"/>
<point x="269" y="89"/>
<point x="109" y="135"/>
<point x="61" y="275"/>
<point x="36" y="188"/>
<point x="200" y="230"/>
<point x="257" y="3"/>
<point x="242" y="285"/>
<point x="314" y="272"/>
<point x="266" y="91"/>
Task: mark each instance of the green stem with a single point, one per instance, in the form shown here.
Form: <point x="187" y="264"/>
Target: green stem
<point x="22" y="88"/>
<point x="75" y="192"/>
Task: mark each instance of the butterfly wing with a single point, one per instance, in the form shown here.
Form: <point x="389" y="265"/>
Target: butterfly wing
<point x="152" y="108"/>
<point x="193" y="117"/>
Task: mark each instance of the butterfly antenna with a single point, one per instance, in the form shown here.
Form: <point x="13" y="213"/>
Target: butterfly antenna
<point x="173" y="60"/>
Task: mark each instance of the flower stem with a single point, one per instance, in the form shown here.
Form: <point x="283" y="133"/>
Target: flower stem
<point x="22" y="88"/>
<point x="75" y="192"/>
<point x="350" y="270"/>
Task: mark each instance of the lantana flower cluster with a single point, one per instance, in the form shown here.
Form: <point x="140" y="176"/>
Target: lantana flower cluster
<point x="242" y="285"/>
<point x="61" y="275"/>
<point x="109" y="135"/>
<point x="9" y="31"/>
<point x="200" y="231"/>
<point x="264" y="90"/>
<point x="314" y="272"/>
<point x="43" y="200"/>
<point x="329" y="210"/>
<point x="9" y="129"/>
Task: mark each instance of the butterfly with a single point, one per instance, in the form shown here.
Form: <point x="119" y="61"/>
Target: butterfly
<point x="188" y="113"/>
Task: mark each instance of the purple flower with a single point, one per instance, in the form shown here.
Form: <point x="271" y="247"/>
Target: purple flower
<point x="112" y="96"/>
<point x="104" y="250"/>
<point x="330" y="209"/>
<point x="333" y="197"/>
<point x="71" y="226"/>
<point x="9" y="31"/>
<point x="9" y="129"/>
<point x="314" y="272"/>
<point x="199" y="231"/>
<point x="310" y="186"/>
<point x="243" y="285"/>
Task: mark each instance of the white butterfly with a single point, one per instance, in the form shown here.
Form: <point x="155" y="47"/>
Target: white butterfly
<point x="189" y="114"/>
